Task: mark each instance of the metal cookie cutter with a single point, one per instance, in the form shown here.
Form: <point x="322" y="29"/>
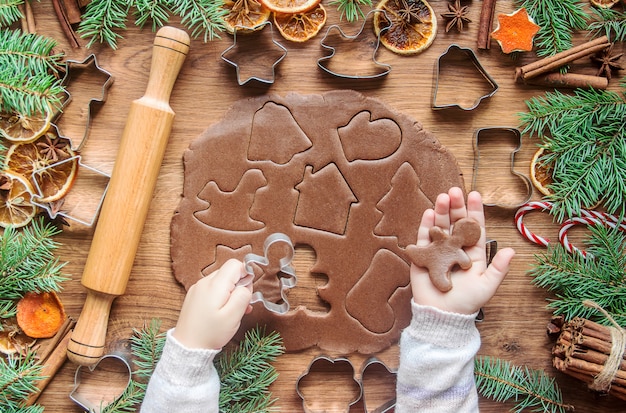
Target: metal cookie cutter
<point x="485" y="136"/>
<point x="350" y="71"/>
<point x="94" y="393"/>
<point x="265" y="262"/>
<point x="252" y="59"/>
<point x="386" y="406"/>
<point x="94" y="103"/>
<point x="464" y="55"/>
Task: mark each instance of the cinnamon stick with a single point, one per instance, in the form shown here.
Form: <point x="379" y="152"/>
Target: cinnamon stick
<point x="485" y="24"/>
<point x="561" y="59"/>
<point x="569" y="81"/>
<point x="65" y="24"/>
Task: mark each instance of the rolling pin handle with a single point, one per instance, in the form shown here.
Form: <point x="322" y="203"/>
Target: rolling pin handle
<point x="87" y="342"/>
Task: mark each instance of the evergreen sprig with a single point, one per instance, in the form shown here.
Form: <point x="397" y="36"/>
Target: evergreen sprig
<point x="203" y="17"/>
<point x="609" y="22"/>
<point x="351" y="9"/>
<point x="558" y="20"/>
<point x="246" y="373"/>
<point x="18" y="376"/>
<point x="10" y="12"/>
<point x="573" y="278"/>
<point x="585" y="136"/>
<point x="155" y="11"/>
<point x="29" y="81"/>
<point x="28" y="264"/>
<point x="531" y="389"/>
<point x="101" y="21"/>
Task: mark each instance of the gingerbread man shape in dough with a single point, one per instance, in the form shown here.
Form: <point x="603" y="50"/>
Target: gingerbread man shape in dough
<point x="445" y="251"/>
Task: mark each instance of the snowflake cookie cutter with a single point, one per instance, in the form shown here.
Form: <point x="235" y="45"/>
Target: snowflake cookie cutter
<point x="95" y="397"/>
<point x="255" y="56"/>
<point x="465" y="55"/>
<point x="283" y="266"/>
<point x="324" y="62"/>
<point x="94" y="103"/>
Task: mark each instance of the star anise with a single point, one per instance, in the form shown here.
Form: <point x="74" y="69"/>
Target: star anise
<point x="411" y="11"/>
<point x="607" y="61"/>
<point x="456" y="16"/>
<point x="53" y="149"/>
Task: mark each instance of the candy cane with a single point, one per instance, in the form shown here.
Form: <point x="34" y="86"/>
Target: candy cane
<point x="519" y="216"/>
<point x="589" y="218"/>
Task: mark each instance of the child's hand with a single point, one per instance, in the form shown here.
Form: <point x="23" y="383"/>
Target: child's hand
<point x="474" y="287"/>
<point x="213" y="308"/>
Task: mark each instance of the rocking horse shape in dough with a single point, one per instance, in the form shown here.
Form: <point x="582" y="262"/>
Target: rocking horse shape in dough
<point x="445" y="251"/>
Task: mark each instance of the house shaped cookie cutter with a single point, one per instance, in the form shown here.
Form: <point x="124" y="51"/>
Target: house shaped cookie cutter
<point x="468" y="55"/>
<point x="322" y="62"/>
<point x="261" y="261"/>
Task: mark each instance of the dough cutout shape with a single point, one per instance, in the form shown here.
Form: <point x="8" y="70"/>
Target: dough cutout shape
<point x="319" y="169"/>
<point x="445" y="251"/>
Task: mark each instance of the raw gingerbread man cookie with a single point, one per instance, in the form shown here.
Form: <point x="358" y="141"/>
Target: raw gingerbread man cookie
<point x="445" y="251"/>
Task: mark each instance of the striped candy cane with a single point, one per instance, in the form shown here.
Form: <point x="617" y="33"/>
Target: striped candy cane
<point x="519" y="221"/>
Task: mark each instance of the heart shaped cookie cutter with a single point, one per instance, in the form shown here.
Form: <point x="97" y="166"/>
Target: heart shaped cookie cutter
<point x="96" y="400"/>
<point x="264" y="262"/>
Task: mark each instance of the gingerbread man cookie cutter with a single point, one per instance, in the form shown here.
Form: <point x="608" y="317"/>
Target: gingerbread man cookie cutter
<point x="264" y="261"/>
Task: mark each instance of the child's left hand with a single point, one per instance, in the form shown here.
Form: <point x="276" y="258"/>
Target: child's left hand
<point x="213" y="308"/>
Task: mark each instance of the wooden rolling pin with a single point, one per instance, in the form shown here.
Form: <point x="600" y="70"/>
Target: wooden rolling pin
<point x="128" y="197"/>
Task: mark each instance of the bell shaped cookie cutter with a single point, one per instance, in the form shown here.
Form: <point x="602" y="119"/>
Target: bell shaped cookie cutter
<point x="239" y="63"/>
<point x="323" y="62"/>
<point x="264" y="261"/>
<point x="468" y="55"/>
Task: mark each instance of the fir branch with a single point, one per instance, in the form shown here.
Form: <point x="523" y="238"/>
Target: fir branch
<point x="351" y="9"/>
<point x="101" y="20"/>
<point x="531" y="389"/>
<point x="157" y="11"/>
<point x="128" y="401"/>
<point x="147" y="346"/>
<point x="246" y="373"/>
<point x="609" y="22"/>
<point x="10" y="12"/>
<point x="202" y="17"/>
<point x="28" y="263"/>
<point x="32" y="51"/>
<point x="601" y="277"/>
<point x="18" y="376"/>
<point x="558" y="20"/>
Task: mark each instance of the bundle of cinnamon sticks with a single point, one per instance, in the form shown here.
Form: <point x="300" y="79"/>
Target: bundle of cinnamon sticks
<point x="594" y="354"/>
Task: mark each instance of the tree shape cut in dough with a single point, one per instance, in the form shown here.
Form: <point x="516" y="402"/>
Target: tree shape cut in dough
<point x="231" y="210"/>
<point x="275" y="123"/>
<point x="445" y="251"/>
<point x="367" y="139"/>
<point x="325" y="200"/>
<point x="401" y="206"/>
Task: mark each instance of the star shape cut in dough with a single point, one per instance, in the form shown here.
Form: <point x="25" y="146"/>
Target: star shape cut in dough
<point x="515" y="31"/>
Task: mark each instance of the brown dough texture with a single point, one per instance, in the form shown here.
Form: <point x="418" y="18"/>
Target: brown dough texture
<point x="340" y="173"/>
<point x="445" y="251"/>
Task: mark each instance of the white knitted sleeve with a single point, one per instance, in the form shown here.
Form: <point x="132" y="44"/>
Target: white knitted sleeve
<point x="184" y="381"/>
<point x="436" y="372"/>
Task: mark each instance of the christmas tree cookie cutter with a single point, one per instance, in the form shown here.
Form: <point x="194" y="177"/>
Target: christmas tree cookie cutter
<point x="74" y="66"/>
<point x="252" y="55"/>
<point x="271" y="266"/>
<point x="465" y="58"/>
<point x="349" y="69"/>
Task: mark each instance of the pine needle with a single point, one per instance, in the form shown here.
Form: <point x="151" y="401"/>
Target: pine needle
<point x="530" y="389"/>
<point x="18" y="376"/>
<point x="10" y="12"/>
<point x="351" y="9"/>
<point x="203" y="17"/>
<point x="101" y="21"/>
<point x="609" y="22"/>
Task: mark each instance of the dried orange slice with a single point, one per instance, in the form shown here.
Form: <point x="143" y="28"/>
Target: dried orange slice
<point x="540" y="172"/>
<point x="244" y="14"/>
<point x="12" y="340"/>
<point x="300" y="27"/>
<point x="46" y="162"/>
<point x="40" y="315"/>
<point x="21" y="128"/>
<point x="290" y="6"/>
<point x="412" y="25"/>
<point x="16" y="208"/>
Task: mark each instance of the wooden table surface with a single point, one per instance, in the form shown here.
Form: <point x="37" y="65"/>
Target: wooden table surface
<point x="515" y="320"/>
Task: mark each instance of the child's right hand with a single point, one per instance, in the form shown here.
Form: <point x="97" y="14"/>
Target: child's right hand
<point x="474" y="287"/>
<point x="213" y="308"/>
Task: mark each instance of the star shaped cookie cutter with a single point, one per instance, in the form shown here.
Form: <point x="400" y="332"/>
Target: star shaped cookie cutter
<point x="284" y="267"/>
<point x="251" y="60"/>
<point x="324" y="61"/>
